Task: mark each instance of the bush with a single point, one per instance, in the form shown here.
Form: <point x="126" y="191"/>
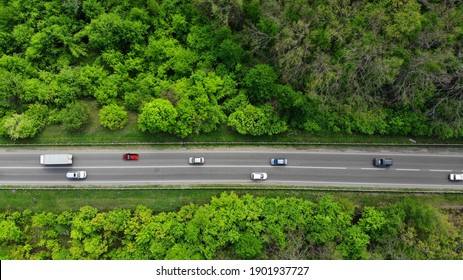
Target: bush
<point x="75" y="116"/>
<point x="113" y="117"/>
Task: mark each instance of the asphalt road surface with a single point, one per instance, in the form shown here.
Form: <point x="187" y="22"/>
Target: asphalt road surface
<point x="411" y="169"/>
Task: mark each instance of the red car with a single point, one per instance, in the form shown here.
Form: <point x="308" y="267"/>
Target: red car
<point x="130" y="157"/>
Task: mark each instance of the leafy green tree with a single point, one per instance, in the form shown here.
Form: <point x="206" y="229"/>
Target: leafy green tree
<point x="22" y="34"/>
<point x="156" y="116"/>
<point x="405" y="19"/>
<point x="259" y="83"/>
<point x="329" y="221"/>
<point x="84" y="234"/>
<point x="90" y="78"/>
<point x="182" y="252"/>
<point x="198" y="107"/>
<point x="113" y="117"/>
<point x="94" y="247"/>
<point x="249" y="246"/>
<point x="235" y="103"/>
<point x="168" y="57"/>
<point x="6" y="43"/>
<point x="9" y="232"/>
<point x="27" y="124"/>
<point x="114" y="224"/>
<point x="256" y="121"/>
<point x="146" y="86"/>
<point x="10" y="15"/>
<point x="185" y="118"/>
<point x="202" y="40"/>
<point x="249" y="120"/>
<point x="299" y="110"/>
<point x="19" y="126"/>
<point x="48" y="232"/>
<point x="230" y="53"/>
<point x="110" y="31"/>
<point x="92" y="8"/>
<point x="285" y="219"/>
<point x="14" y="70"/>
<point x="134" y="100"/>
<point x="139" y="234"/>
<point x="406" y="121"/>
<point x="11" y="90"/>
<point x="199" y="115"/>
<point x="50" y="44"/>
<point x="55" y="90"/>
<point x="219" y="223"/>
<point x="75" y="116"/>
<point x="109" y="89"/>
<point x="354" y="245"/>
<point x="226" y="12"/>
<point x="373" y="223"/>
<point x="422" y="217"/>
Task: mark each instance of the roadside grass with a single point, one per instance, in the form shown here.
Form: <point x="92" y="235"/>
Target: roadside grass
<point x="165" y="200"/>
<point x="93" y="132"/>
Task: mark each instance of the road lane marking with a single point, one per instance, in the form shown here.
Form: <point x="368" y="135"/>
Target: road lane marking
<point x="440" y="170"/>
<point x="372" y="168"/>
<point x="404" y="169"/>
<point x="172" y="166"/>
<point x="318" y="167"/>
<point x="92" y="184"/>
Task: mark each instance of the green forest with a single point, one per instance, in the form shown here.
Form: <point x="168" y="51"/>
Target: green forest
<point x="238" y="227"/>
<point x="256" y="67"/>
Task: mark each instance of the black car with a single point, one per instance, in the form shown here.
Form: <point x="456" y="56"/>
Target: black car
<point x="382" y="162"/>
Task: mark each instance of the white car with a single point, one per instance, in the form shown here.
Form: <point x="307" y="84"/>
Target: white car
<point x="455" y="177"/>
<point x="259" y="176"/>
<point x="196" y="160"/>
<point x="76" y="174"/>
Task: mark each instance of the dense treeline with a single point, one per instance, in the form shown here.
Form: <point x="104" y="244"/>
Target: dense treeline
<point x="261" y="67"/>
<point x="232" y="227"/>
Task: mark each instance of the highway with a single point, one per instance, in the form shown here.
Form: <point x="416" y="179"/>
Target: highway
<point x="306" y="167"/>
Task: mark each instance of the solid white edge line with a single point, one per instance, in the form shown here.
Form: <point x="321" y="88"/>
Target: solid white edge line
<point x="85" y="183"/>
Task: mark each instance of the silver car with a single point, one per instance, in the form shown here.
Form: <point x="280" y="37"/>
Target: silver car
<point x="76" y="174"/>
<point x="259" y="176"/>
<point x="278" y="161"/>
<point x="196" y="160"/>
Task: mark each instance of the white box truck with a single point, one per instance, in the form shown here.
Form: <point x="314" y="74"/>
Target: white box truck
<point x="56" y="159"/>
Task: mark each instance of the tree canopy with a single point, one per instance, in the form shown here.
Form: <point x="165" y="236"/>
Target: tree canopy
<point x="237" y="227"/>
<point x="369" y="67"/>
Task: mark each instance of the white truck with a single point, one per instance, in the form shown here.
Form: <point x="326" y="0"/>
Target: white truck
<point x="56" y="159"/>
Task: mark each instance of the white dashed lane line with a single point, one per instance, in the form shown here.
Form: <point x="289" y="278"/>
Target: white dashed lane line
<point x="403" y="169"/>
<point x="372" y="168"/>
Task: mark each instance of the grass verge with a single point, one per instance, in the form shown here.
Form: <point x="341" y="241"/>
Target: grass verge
<point x="173" y="199"/>
<point x="93" y="132"/>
